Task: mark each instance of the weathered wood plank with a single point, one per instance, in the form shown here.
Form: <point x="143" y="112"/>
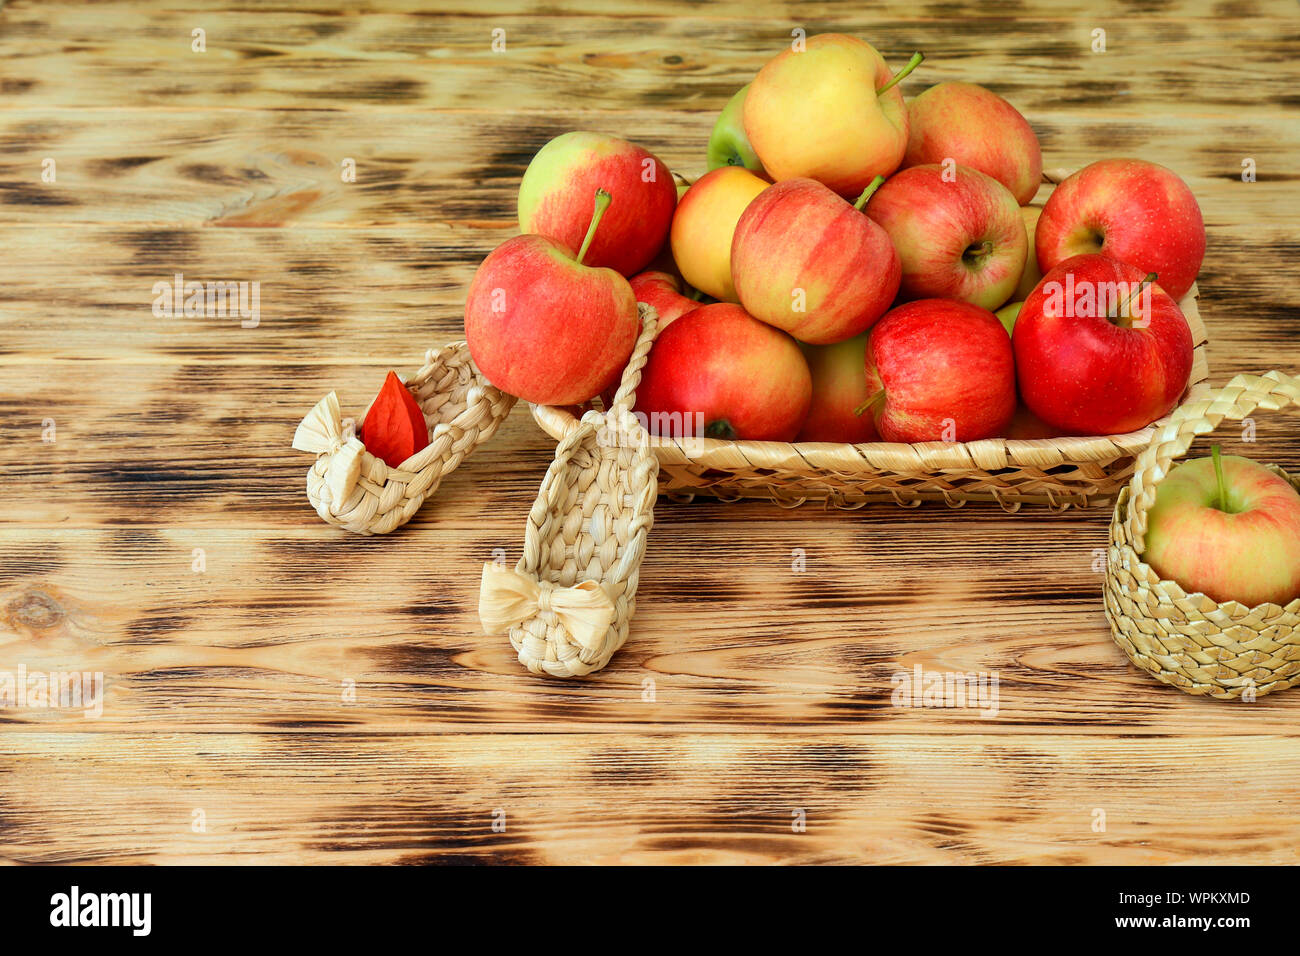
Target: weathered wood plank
<point x="444" y="61"/>
<point x="268" y="168"/>
<point x="92" y="798"/>
<point x="208" y="445"/>
<point x="383" y="296"/>
<point x="731" y="632"/>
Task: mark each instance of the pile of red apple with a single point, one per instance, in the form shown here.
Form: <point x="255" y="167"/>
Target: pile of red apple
<point x="835" y="275"/>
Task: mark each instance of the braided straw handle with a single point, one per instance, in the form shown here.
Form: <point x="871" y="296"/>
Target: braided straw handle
<point x="1235" y="401"/>
<point x="622" y="482"/>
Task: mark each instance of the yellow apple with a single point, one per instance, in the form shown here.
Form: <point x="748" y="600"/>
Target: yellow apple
<point x="1030" y="278"/>
<point x="831" y="112"/>
<point x="703" y="225"/>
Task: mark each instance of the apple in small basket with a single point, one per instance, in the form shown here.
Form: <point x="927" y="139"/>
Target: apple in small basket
<point x="959" y="234"/>
<point x="1101" y="349"/>
<point x="555" y="198"/>
<point x="808" y="262"/>
<point x="975" y="127"/>
<point x="546" y="327"/>
<point x="1131" y="210"/>
<point x="1228" y="528"/>
<point x="745" y="378"/>
<point x="830" y="112"/>
<point x="940" y="370"/>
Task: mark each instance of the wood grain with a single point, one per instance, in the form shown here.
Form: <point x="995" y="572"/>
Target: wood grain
<point x="750" y="688"/>
<point x="683" y="799"/>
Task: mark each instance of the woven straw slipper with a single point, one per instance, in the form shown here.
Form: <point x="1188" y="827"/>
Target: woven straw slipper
<point x="1188" y="640"/>
<point x="568" y="603"/>
<point x="354" y="490"/>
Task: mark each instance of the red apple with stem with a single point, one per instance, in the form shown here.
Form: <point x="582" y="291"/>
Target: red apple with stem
<point x="746" y="378"/>
<point x="555" y="198"/>
<point x="940" y="370"/>
<point x="1229" y="528"/>
<point x="806" y="261"/>
<point x="1100" y="348"/>
<point x="1131" y="210"/>
<point x="543" y="325"/>
<point x="959" y="234"/>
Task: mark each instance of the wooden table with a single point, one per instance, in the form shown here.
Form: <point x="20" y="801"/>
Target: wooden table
<point x="163" y="537"/>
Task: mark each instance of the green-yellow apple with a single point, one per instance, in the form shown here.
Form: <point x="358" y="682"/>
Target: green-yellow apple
<point x="1031" y="275"/>
<point x="703" y="226"/>
<point x="1007" y="316"/>
<point x="1100" y="348"/>
<point x="663" y="290"/>
<point x="744" y="377"/>
<point x="830" y="112"/>
<point x="974" y="127"/>
<point x="543" y="325"/>
<point x="808" y="262"/>
<point x="940" y="370"/>
<point x="728" y="144"/>
<point x="839" y="387"/>
<point x="1131" y="210"/>
<point x="959" y="234"/>
<point x="1228" y="528"/>
<point x="555" y="198"/>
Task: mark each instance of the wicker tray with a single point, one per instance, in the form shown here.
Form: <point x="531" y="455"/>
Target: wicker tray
<point x="1057" y="472"/>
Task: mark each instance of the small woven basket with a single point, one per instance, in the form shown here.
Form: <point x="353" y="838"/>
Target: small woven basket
<point x="1188" y="640"/>
<point x="354" y="490"/>
<point x="1057" y="472"/>
<point x="568" y="603"/>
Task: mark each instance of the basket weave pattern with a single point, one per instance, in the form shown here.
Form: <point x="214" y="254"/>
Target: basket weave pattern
<point x="1189" y="640"/>
<point x="461" y="411"/>
<point x="589" y="524"/>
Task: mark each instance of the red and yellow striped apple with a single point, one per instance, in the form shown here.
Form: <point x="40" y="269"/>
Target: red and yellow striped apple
<point x="831" y="112"/>
<point x="1131" y="210"/>
<point x="663" y="290"/>
<point x="703" y="226"/>
<point x="974" y="127"/>
<point x="839" y="387"/>
<point x="1229" y="528"/>
<point x="543" y="325"/>
<point x="940" y="370"/>
<point x="959" y="234"/>
<point x="747" y="379"/>
<point x="810" y="263"/>
<point x="555" y="198"/>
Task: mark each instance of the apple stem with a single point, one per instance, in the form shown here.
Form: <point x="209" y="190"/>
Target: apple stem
<point x="602" y="203"/>
<point x="1217" y="455"/>
<point x="980" y="251"/>
<point x="866" y="193"/>
<point x="870" y="403"/>
<point x="912" y="64"/>
<point x="1150" y="278"/>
